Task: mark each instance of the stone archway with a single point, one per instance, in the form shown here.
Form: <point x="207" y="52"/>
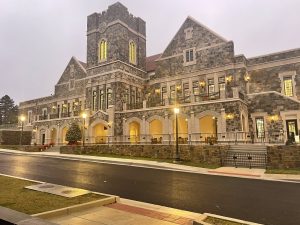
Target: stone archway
<point x="53" y="136"/>
<point x="208" y="126"/>
<point x="100" y="133"/>
<point x="134" y="131"/>
<point x="182" y="129"/>
<point x="63" y="135"/>
<point x="156" y="131"/>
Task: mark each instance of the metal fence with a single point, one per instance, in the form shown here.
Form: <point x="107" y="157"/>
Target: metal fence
<point x="245" y="159"/>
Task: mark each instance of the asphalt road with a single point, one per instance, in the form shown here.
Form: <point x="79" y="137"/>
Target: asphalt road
<point x="267" y="202"/>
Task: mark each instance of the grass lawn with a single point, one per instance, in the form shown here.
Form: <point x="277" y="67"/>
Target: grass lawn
<point x="13" y="195"/>
<point x="186" y="163"/>
<point x="295" y="171"/>
<point x="216" y="221"/>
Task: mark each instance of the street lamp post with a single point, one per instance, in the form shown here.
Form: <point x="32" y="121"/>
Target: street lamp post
<point x="177" y="157"/>
<point x="22" y="119"/>
<point x="83" y="130"/>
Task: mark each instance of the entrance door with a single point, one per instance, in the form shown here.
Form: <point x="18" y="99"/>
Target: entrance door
<point x="43" y="138"/>
<point x="291" y="127"/>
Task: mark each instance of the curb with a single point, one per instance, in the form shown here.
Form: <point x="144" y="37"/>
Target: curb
<point x="76" y="208"/>
<point x="231" y="219"/>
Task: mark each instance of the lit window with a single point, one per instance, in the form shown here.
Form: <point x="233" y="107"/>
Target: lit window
<point x="127" y="96"/>
<point x="132" y="52"/>
<point x="189" y="55"/>
<point x="102" y="50"/>
<point x="260" y="127"/>
<point x="288" y="86"/>
<point x="94" y="100"/>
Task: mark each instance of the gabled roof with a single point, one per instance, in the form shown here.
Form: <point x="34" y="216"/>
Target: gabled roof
<point x="150" y="62"/>
<point x="80" y="71"/>
<point x="203" y="37"/>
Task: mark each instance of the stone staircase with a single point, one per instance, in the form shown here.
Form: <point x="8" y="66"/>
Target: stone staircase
<point x="251" y="156"/>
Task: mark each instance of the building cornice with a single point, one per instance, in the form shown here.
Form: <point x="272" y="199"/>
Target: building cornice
<point x="113" y="23"/>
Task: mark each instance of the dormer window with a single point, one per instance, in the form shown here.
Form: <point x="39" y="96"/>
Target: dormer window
<point x="132" y="52"/>
<point x="189" y="56"/>
<point x="288" y="86"/>
<point x="188" y="33"/>
<point x="102" y="50"/>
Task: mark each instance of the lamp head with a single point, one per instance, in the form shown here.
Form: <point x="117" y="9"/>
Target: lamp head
<point x="22" y="118"/>
<point x="176" y="110"/>
<point x="83" y="115"/>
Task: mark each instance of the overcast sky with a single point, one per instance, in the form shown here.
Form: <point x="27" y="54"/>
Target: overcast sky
<point x="38" y="37"/>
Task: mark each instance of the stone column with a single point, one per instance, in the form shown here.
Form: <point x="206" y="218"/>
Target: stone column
<point x="166" y="129"/>
<point x="125" y="128"/>
<point x="235" y="92"/>
<point x="111" y="119"/>
<point x="222" y="94"/>
<point x="223" y="123"/>
<point x="144" y="104"/>
<point x="144" y="136"/>
<point x="191" y="126"/>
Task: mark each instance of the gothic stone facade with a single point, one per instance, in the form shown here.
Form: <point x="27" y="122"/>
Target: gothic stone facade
<point x="129" y="97"/>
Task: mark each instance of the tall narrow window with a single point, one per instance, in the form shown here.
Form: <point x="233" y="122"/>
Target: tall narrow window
<point x="109" y="97"/>
<point x="132" y="96"/>
<point x="211" y="86"/>
<point x="172" y="93"/>
<point x="163" y="94"/>
<point x="132" y="52"/>
<point x="288" y="86"/>
<point x="221" y="83"/>
<point x="196" y="91"/>
<point x="189" y="55"/>
<point x="127" y="95"/>
<point x="138" y="96"/>
<point x="101" y="99"/>
<point x="94" y="100"/>
<point x="102" y="50"/>
<point x="29" y="116"/>
<point x="58" y="111"/>
<point x="186" y="92"/>
<point x="260" y="127"/>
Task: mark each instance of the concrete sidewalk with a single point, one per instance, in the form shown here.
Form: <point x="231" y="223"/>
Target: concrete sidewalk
<point x="222" y="171"/>
<point x="130" y="212"/>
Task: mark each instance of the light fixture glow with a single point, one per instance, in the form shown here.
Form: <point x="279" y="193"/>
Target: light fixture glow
<point x="176" y="110"/>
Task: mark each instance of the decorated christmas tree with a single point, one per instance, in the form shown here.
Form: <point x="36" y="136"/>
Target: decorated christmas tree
<point x="73" y="134"/>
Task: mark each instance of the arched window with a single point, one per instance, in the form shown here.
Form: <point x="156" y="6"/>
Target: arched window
<point x="132" y="52"/>
<point x="102" y="50"/>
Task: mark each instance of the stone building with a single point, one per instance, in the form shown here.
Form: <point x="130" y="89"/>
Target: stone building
<point x="129" y="97"/>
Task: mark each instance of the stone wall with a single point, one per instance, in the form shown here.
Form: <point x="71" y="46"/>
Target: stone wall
<point x="9" y="137"/>
<point x="283" y="157"/>
<point x="210" y="154"/>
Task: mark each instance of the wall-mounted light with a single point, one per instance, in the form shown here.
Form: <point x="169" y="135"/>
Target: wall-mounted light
<point x="54" y="107"/>
<point x="229" y="116"/>
<point x="109" y="124"/>
<point x="273" y="118"/>
<point x="176" y="110"/>
<point x="202" y="83"/>
<point x="228" y="78"/>
<point x="157" y="91"/>
<point x="247" y="77"/>
<point x="178" y="87"/>
<point x="64" y="105"/>
<point x="76" y="103"/>
<point x="22" y="118"/>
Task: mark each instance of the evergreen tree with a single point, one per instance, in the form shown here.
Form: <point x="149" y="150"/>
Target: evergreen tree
<point x="73" y="134"/>
<point x="8" y="110"/>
